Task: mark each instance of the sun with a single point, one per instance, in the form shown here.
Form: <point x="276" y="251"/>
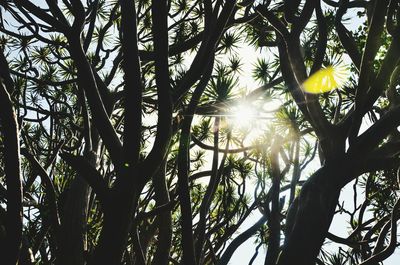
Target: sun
<point x="243" y="115"/>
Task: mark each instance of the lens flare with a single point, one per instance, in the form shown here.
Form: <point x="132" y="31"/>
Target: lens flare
<point x="326" y="79"/>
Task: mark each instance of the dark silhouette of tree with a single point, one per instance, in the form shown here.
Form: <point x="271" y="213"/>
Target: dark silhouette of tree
<point x="118" y="144"/>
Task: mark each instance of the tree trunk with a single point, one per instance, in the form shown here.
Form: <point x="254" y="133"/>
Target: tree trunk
<point x="74" y="218"/>
<point x="118" y="217"/>
<point x="312" y="215"/>
<point x="11" y="159"/>
<point x="73" y="235"/>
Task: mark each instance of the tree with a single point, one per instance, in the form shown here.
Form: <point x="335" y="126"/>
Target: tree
<point x="123" y="109"/>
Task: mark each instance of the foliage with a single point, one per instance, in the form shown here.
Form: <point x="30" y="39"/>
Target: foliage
<point x="143" y="140"/>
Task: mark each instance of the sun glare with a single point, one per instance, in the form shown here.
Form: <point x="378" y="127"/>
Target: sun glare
<point x="243" y="115"/>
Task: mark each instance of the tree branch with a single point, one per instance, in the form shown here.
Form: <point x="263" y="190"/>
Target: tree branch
<point x="90" y="174"/>
<point x="133" y="84"/>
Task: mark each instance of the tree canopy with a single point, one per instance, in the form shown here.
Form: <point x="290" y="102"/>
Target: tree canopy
<point x="131" y="134"/>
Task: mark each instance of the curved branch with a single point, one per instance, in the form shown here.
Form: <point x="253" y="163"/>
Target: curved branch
<point x="231" y="151"/>
<point x="240" y="239"/>
<point x="384" y="254"/>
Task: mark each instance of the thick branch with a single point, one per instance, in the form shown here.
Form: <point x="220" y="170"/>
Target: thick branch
<point x="133" y="84"/>
<point x="11" y="158"/>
